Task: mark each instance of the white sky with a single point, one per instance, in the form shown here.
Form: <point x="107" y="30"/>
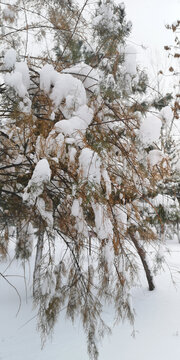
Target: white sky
<point x="149" y="18"/>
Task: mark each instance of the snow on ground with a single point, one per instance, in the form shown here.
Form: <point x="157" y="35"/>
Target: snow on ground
<point x="157" y="325"/>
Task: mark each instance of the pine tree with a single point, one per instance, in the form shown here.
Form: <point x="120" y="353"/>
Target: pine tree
<point x="76" y="160"/>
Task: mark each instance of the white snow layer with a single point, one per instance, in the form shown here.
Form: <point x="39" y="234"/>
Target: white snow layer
<point x="71" y="126"/>
<point x="155" y="157"/>
<point x="19" y="79"/>
<point x="14" y="80"/>
<point x="76" y="207"/>
<point x="165" y="200"/>
<point x="86" y="74"/>
<point x="42" y="172"/>
<point x="77" y="124"/>
<point x="150" y="129"/>
<point x="22" y="68"/>
<point x="41" y="175"/>
<point x="72" y="153"/>
<point x="85" y="113"/>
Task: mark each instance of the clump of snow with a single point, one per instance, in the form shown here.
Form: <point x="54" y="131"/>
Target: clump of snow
<point x="165" y="200"/>
<point x="41" y="176"/>
<point x="15" y="81"/>
<point x="52" y="116"/>
<point x="85" y="113"/>
<point x="150" y="129"/>
<point x="22" y="68"/>
<point x="71" y="126"/>
<point x="155" y="157"/>
<point x="42" y="172"/>
<point x="86" y="74"/>
<point x="67" y="87"/>
<point x="72" y="153"/>
<point x="69" y="140"/>
<point x="76" y="207"/>
<point x="19" y="79"/>
<point x="62" y="87"/>
<point x="10" y="59"/>
<point x="76" y="126"/>
<point x="47" y="78"/>
<point x="89" y="166"/>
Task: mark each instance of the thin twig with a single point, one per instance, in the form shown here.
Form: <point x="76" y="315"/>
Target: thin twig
<point x="17" y="292"/>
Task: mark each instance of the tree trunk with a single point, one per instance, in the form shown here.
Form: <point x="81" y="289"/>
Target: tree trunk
<point x="142" y="255"/>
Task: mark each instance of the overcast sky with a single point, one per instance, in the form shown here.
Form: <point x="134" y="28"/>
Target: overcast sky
<point x="149" y="18"/>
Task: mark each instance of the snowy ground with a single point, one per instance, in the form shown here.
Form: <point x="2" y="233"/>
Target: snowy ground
<point x="157" y="326"/>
